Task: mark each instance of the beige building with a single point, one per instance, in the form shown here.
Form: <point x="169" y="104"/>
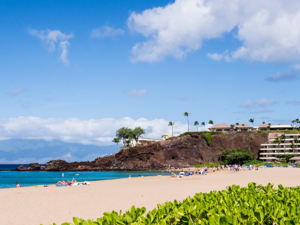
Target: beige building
<point x="220" y="127"/>
<point x="269" y="150"/>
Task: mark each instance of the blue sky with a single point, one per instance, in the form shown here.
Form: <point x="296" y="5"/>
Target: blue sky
<point x="104" y="77"/>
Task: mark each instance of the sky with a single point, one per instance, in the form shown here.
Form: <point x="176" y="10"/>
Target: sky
<point x="76" y="71"/>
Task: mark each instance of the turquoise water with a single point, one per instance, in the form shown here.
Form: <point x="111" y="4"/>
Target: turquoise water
<point x="8" y="179"/>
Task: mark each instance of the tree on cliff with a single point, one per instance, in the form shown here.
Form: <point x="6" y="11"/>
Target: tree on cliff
<point x="116" y="140"/>
<point x="124" y="133"/>
<point x="252" y="121"/>
<point x="203" y="124"/>
<point x="127" y="134"/>
<point x="137" y="132"/>
<point x="238" y="156"/>
<point x="196" y="123"/>
<point x="171" y="124"/>
<point x="187" y="116"/>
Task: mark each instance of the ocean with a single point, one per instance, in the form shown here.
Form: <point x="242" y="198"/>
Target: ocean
<point x="8" y="178"/>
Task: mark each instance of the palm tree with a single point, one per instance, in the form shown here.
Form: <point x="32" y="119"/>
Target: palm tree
<point x="171" y="124"/>
<point x="116" y="140"/>
<point x="293" y="121"/>
<point x="296" y="140"/>
<point x="196" y="123"/>
<point x="264" y="122"/>
<point x="252" y="121"/>
<point x="211" y="122"/>
<point x="203" y="124"/>
<point x="232" y="126"/>
<point x="276" y="141"/>
<point x="297" y="121"/>
<point x="237" y="124"/>
<point x="187" y="116"/>
<point x="282" y="138"/>
<point x="292" y="146"/>
<point x="269" y="124"/>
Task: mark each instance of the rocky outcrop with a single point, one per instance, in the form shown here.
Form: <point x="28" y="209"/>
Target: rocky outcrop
<point x="22" y="168"/>
<point x="34" y="166"/>
<point x="179" y="152"/>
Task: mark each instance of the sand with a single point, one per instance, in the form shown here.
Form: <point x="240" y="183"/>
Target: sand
<point x="46" y="205"/>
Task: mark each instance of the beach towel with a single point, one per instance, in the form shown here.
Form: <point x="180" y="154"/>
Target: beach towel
<point x="61" y="185"/>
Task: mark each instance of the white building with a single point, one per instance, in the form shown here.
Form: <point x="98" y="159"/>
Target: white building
<point x="270" y="150"/>
<point x="142" y="141"/>
<point x="167" y="136"/>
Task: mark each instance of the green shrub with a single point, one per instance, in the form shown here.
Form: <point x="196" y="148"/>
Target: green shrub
<point x="207" y="137"/>
<point x="250" y="205"/>
<point x="236" y="156"/>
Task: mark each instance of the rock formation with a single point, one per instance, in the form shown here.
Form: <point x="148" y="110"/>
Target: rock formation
<point x="182" y="151"/>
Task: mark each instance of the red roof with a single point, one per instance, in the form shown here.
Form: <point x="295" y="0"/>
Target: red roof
<point x="245" y="126"/>
<point x="220" y="126"/>
<point x="264" y="125"/>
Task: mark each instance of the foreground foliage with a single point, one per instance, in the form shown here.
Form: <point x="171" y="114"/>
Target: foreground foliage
<point x="248" y="205"/>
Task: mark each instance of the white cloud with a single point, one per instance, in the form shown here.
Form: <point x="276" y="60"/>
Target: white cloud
<point x="268" y="30"/>
<point x="247" y="104"/>
<point x="16" y="92"/>
<point x="106" y="31"/>
<point x="98" y="132"/>
<point x="50" y="37"/>
<point x="136" y="92"/>
<point x="264" y="102"/>
<point x="283" y="76"/>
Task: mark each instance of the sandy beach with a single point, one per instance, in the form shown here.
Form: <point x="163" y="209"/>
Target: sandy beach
<point x="46" y="205"/>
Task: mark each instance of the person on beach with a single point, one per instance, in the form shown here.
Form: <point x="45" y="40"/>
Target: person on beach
<point x="173" y="175"/>
<point x="17" y="185"/>
<point x="62" y="182"/>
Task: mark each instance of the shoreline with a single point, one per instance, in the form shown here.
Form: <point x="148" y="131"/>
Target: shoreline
<point x="39" y="205"/>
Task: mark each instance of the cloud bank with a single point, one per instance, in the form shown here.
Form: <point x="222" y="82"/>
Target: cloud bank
<point x="268" y="30"/>
<point x="96" y="132"/>
<point x="49" y="39"/>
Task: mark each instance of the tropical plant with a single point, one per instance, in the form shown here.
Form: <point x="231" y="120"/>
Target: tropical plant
<point x="269" y="124"/>
<point x="187" y="116"/>
<point x="196" y="123"/>
<point x="237" y="124"/>
<point x="116" y="140"/>
<point x="127" y="134"/>
<point x="264" y="122"/>
<point x="252" y="205"/>
<point x="238" y="156"/>
<point x="277" y="141"/>
<point x="297" y="121"/>
<point x="203" y="124"/>
<point x="211" y="122"/>
<point x="292" y="146"/>
<point x="252" y="121"/>
<point x="282" y="139"/>
<point x="287" y="157"/>
<point x="171" y="124"/>
<point x="232" y="126"/>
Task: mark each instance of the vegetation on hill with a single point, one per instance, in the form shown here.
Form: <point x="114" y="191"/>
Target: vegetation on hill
<point x="248" y="205"/>
<point x="238" y="156"/>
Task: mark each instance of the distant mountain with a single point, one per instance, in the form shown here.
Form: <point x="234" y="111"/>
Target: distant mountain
<point x="28" y="151"/>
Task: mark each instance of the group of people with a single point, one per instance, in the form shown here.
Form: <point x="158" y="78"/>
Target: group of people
<point x="66" y="183"/>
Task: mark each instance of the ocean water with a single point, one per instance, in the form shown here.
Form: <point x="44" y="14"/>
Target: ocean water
<point x="8" y="178"/>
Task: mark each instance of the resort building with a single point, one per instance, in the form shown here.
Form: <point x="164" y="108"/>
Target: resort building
<point x="142" y="141"/>
<point x="220" y="127"/>
<point x="262" y="126"/>
<point x="246" y="127"/>
<point x="167" y="136"/>
<point x="289" y="145"/>
<point x="243" y="127"/>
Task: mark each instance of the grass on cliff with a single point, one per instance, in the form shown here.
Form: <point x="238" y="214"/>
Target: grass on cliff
<point x="206" y="135"/>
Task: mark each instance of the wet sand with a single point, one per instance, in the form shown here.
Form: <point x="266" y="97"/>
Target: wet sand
<point x="48" y="205"/>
